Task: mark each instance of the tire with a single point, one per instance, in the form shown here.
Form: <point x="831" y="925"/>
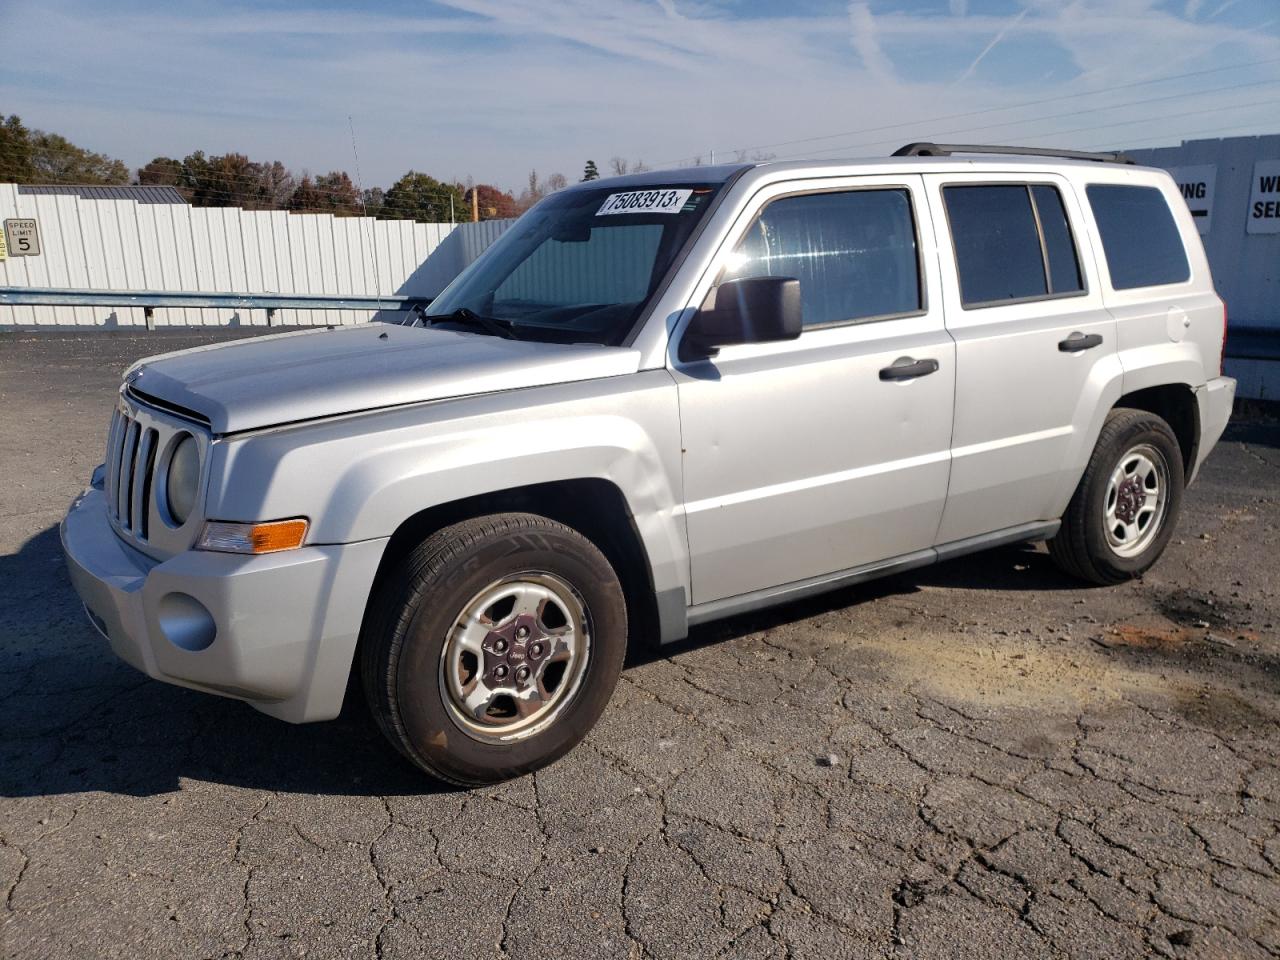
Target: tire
<point x="450" y="672"/>
<point x="1103" y="538"/>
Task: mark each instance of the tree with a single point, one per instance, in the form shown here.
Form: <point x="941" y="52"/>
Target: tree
<point x="230" y="180"/>
<point x="621" y="166"/>
<point x="534" y="191"/>
<point x="416" y="196"/>
<point x="57" y="160"/>
<point x="328" y="193"/>
<point x="163" y="172"/>
<point x="589" y="172"/>
<point x="33" y="156"/>
<point x="373" y="199"/>
<point x="557" y="181"/>
<point x="493" y="204"/>
<point x="15" y="152"/>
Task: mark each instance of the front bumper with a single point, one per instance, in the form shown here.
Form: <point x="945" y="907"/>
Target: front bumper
<point x="1215" y="400"/>
<point x="277" y="630"/>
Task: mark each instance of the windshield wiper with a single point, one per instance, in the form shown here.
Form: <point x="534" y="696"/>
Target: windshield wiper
<point x="491" y="325"/>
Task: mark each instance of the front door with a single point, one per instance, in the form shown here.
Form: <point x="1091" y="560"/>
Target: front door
<point x="817" y="455"/>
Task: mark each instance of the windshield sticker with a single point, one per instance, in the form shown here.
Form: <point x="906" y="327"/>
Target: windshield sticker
<point x="644" y="201"/>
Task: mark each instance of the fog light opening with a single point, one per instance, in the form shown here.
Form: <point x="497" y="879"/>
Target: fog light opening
<point x="186" y="623"/>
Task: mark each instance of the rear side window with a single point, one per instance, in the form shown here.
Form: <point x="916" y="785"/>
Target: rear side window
<point x="1139" y="236"/>
<point x="854" y="253"/>
<point x="1012" y="242"/>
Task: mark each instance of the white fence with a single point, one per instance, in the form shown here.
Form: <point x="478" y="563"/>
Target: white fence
<point x="123" y="245"/>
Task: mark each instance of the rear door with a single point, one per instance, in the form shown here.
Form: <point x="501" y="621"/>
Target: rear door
<point x="1035" y="347"/>
<point x="811" y="457"/>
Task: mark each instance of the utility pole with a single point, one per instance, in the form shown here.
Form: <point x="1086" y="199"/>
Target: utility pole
<point x="475" y="204"/>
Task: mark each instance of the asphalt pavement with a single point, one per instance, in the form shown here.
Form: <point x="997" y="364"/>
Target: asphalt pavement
<point x="981" y="759"/>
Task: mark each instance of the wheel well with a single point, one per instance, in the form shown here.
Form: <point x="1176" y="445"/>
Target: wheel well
<point x="1175" y="404"/>
<point x="595" y="508"/>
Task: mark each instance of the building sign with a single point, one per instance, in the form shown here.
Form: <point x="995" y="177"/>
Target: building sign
<point x="23" y="238"/>
<point x="1196" y="186"/>
<point x="1264" y="198"/>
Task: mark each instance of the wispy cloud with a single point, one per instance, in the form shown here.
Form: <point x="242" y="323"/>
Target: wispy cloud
<point x="862" y="24"/>
<point x="1000" y="35"/>
<point x="490" y="88"/>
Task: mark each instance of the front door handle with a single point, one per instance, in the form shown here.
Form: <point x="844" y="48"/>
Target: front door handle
<point x="908" y="368"/>
<point x="1079" y="341"/>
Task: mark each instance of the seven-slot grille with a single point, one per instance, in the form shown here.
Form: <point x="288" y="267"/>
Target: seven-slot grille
<point x="131" y="465"/>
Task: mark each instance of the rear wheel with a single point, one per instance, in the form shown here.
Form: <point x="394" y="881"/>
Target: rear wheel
<point x="494" y="648"/>
<point x="1124" y="511"/>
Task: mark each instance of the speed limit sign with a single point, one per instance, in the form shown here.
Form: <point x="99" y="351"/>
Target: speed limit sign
<point x="23" y="237"/>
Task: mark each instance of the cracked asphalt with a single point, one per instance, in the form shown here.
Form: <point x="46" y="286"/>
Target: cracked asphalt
<point x="979" y="759"/>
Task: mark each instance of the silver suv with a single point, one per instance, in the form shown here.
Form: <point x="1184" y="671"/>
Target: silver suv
<point x="657" y="401"/>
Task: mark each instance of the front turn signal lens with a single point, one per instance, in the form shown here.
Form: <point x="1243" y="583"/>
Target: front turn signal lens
<point x="272" y="537"/>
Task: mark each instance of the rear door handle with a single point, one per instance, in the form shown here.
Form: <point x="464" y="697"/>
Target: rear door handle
<point x="1079" y="341"/>
<point x="908" y="368"/>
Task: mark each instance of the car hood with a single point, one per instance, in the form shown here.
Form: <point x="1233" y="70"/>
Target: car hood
<point x="265" y="381"/>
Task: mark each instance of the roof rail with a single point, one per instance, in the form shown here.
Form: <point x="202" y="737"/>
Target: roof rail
<point x="925" y="149"/>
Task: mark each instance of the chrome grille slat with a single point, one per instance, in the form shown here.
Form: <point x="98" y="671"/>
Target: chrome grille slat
<point x="138" y="441"/>
<point x="113" y="458"/>
<point x="148" y="482"/>
<point x="128" y="453"/>
<point x="140" y="482"/>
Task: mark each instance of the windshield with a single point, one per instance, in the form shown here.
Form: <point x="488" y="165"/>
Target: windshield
<point x="579" y="267"/>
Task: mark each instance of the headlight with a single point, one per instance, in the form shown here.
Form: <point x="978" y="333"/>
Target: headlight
<point x="181" y="482"/>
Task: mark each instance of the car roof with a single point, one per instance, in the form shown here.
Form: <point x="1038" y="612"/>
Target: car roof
<point x="780" y="169"/>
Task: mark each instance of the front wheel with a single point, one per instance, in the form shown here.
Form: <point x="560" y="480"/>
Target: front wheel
<point x="494" y="648"/>
<point x="1123" y="512"/>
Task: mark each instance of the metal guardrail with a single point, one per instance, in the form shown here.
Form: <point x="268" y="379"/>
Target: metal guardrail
<point x="1244" y="342"/>
<point x="150" y="300"/>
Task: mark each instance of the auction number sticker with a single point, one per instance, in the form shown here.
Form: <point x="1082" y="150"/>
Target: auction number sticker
<point x="644" y="201"/>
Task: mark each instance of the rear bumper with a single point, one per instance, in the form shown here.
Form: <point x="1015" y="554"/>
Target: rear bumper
<point x="277" y="631"/>
<point x="1215" y="400"/>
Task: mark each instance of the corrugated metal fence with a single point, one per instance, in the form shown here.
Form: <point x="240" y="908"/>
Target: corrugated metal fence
<point x="124" y="245"/>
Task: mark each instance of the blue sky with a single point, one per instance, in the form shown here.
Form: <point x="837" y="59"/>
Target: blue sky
<point x="492" y="88"/>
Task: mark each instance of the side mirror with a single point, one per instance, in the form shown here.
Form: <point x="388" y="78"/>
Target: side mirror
<point x="751" y="310"/>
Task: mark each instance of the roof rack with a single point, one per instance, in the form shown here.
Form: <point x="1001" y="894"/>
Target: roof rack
<point x="925" y="149"/>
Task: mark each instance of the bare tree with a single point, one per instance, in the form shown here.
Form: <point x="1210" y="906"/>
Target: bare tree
<point x="640" y="167"/>
<point x="619" y="166"/>
<point x="557" y="181"/>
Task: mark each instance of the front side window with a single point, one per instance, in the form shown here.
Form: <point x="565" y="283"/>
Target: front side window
<point x="578" y="267"/>
<point x="854" y="253"/>
<point x="1139" y="236"/>
<point x="1012" y="242"/>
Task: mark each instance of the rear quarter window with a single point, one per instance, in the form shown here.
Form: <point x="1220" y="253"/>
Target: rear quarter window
<point x="1140" y="238"/>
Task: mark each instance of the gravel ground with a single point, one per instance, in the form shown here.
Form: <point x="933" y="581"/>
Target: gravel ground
<point x="979" y="759"/>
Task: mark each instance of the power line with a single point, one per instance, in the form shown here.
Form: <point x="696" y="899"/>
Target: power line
<point x="1141" y="144"/>
<point x="1059" y="116"/>
<point x="1054" y="133"/>
<point x="1015" y="106"/>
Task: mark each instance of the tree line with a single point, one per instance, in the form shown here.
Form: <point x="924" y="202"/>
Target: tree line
<point x="234" y="180"/>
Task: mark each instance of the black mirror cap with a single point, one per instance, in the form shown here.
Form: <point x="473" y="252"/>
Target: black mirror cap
<point x="750" y="310"/>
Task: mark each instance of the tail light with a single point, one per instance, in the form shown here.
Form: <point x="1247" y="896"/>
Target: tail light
<point x="1222" y="357"/>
